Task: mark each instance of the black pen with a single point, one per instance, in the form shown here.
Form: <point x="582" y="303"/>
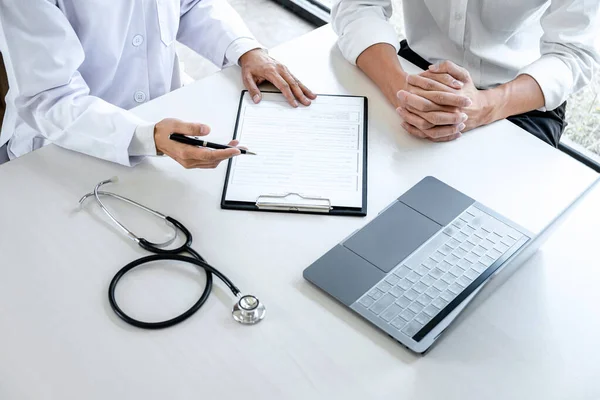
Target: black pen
<point x="178" y="137"/>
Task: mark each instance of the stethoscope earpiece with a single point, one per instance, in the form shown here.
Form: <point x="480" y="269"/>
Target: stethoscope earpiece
<point x="248" y="310"/>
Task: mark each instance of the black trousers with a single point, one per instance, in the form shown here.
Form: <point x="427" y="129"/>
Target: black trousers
<point x="547" y="126"/>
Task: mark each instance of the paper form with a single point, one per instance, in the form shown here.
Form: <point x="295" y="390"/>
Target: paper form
<point x="314" y="151"/>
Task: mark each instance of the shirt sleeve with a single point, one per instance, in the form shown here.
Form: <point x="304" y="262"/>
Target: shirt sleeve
<point x="52" y="97"/>
<point x="568" y="56"/>
<point x="361" y="24"/>
<point x="210" y="27"/>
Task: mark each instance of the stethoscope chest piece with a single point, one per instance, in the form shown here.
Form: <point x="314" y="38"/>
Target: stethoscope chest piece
<point x="248" y="310"/>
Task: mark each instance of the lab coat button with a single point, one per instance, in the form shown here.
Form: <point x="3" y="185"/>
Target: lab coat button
<point x="138" y="40"/>
<point x="458" y="16"/>
<point x="140" y="97"/>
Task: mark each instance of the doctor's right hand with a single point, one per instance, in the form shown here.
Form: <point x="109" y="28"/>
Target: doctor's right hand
<point x="186" y="155"/>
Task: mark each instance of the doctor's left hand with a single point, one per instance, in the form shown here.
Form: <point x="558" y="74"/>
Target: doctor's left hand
<point x="186" y="155"/>
<point x="258" y="67"/>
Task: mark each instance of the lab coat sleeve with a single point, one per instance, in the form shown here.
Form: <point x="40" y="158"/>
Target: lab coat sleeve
<point x="362" y="23"/>
<point x="214" y="30"/>
<point x="568" y="55"/>
<point x="53" y="98"/>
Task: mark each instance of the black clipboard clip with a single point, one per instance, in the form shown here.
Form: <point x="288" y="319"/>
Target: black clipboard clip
<point x="293" y="202"/>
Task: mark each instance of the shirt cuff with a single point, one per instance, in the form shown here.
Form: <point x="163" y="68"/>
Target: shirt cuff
<point x="238" y="48"/>
<point x="554" y="77"/>
<point x="142" y="142"/>
<point x="364" y="33"/>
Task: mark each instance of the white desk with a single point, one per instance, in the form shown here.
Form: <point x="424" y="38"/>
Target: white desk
<point x="534" y="338"/>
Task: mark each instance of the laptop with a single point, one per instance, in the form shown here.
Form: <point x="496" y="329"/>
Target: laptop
<point x="421" y="261"/>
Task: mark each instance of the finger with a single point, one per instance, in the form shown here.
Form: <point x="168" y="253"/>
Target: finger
<point x="421" y="103"/>
<point x="449" y="67"/>
<point x="413" y="130"/>
<point x="252" y="88"/>
<point x="309" y="93"/>
<point x="440" y="117"/>
<point x="233" y="143"/>
<point x="439" y="132"/>
<point x="414" y="119"/>
<point x="200" y="154"/>
<point x="296" y="89"/>
<point x="446" y="138"/>
<point x="443" y="81"/>
<point x="445" y="98"/>
<point x="433" y="83"/>
<point x="284" y="87"/>
<point x="191" y="129"/>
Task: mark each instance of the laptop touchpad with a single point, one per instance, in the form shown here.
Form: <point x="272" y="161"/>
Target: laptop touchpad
<point x="392" y="236"/>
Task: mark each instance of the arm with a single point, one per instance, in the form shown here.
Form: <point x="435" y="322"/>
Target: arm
<point x="567" y="48"/>
<point x="44" y="54"/>
<point x="369" y="41"/>
<point x="213" y="29"/>
<point x="567" y="61"/>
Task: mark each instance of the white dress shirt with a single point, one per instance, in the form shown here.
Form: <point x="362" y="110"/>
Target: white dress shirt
<point x="496" y="40"/>
<point x="75" y="68"/>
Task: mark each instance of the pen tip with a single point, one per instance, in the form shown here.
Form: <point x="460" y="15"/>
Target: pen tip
<point x="251" y="153"/>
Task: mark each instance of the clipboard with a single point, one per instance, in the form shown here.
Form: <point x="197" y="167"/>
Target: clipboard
<point x="300" y="201"/>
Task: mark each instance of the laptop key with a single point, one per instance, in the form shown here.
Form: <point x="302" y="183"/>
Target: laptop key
<point x="455" y="288"/>
<point x="441" y="285"/>
<point x="432" y="292"/>
<point x="376" y="294"/>
<point x="384" y="286"/>
<point x="424" y="299"/>
<point x="436" y="273"/>
<point x="382" y="304"/>
<point x="412" y="328"/>
<point x="413" y="277"/>
<point x="399" y="322"/>
<point x="396" y="291"/>
<point x="403" y="302"/>
<point x="416" y="307"/>
<point x="472" y="274"/>
<point x="367" y="301"/>
<point x="420" y="287"/>
<point x="428" y="280"/>
<point x="440" y="303"/>
<point x="431" y="310"/>
<point x="407" y="315"/>
<point x="392" y="279"/>
<point x="411" y="294"/>
<point x="422" y="270"/>
<point x="448" y="296"/>
<point x="422" y="318"/>
<point x="391" y="312"/>
<point x="405" y="284"/>
<point x="402" y="271"/>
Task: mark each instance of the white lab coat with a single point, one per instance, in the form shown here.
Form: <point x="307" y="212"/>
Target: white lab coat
<point x="496" y="40"/>
<point x="76" y="67"/>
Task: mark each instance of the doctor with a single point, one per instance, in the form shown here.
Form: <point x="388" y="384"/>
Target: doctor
<point x="75" y="68"/>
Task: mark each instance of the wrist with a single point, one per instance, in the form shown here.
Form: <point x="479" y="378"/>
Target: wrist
<point x="247" y="55"/>
<point x="492" y="101"/>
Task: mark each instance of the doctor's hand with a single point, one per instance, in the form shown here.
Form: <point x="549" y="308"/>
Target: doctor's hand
<point x="449" y="77"/>
<point x="258" y="67"/>
<point x="186" y="155"/>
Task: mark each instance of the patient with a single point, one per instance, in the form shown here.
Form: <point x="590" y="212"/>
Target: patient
<point x="492" y="59"/>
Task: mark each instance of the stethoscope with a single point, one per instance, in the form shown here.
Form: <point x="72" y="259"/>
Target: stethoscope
<point x="247" y="310"/>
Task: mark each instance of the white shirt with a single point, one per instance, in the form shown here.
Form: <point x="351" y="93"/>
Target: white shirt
<point x="75" y="68"/>
<point x="496" y="40"/>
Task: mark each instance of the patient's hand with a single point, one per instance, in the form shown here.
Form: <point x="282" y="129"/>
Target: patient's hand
<point x="450" y="78"/>
<point x="432" y="108"/>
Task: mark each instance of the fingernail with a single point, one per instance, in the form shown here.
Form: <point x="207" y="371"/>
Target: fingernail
<point x="295" y="103"/>
<point x="204" y="129"/>
<point x="468" y="103"/>
<point x="433" y="67"/>
<point x="461" y="127"/>
<point x="256" y="98"/>
<point x="463" y="117"/>
<point x="458" y="83"/>
<point x="400" y="94"/>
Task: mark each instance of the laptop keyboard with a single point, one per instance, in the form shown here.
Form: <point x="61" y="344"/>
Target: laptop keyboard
<point x="416" y="295"/>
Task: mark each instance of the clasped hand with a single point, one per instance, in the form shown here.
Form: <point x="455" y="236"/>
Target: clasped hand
<point x="441" y="103"/>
